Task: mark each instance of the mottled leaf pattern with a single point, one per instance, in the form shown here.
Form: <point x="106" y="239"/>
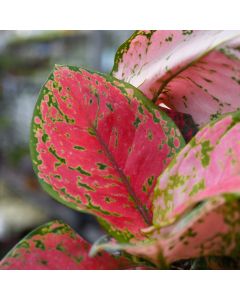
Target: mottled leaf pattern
<point x="196" y="200"/>
<point x="210" y="229"/>
<point x="55" y="246"/>
<point x="208" y="166"/>
<point x="180" y="69"/>
<point x="98" y="146"/>
<point x="207" y="89"/>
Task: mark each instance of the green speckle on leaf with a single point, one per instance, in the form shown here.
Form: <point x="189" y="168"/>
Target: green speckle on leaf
<point x="150" y="180"/>
<point x="215" y="116"/>
<point x="39" y="244"/>
<point x="140" y="109"/>
<point x="79" y="148"/>
<point x="206" y="148"/>
<point x="60" y="247"/>
<point x="60" y="159"/>
<point x="109" y="106"/>
<point x="90" y="205"/>
<point x="190" y="233"/>
<point x="45" y="138"/>
<point x="177" y="180"/>
<point x="137" y="122"/>
<point x="84" y="185"/>
<point x="107" y="199"/>
<point x="101" y="166"/>
<point x="150" y="135"/>
<point x="81" y="170"/>
<point x="78" y="259"/>
<point x="197" y="187"/>
<point x="91" y="131"/>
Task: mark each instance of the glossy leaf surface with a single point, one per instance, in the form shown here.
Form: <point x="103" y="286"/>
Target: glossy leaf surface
<point x="98" y="146"/>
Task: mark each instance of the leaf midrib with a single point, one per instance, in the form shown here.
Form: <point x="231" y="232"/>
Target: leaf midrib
<point x="124" y="179"/>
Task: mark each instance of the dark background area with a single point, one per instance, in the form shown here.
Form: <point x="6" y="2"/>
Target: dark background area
<point x="26" y="59"/>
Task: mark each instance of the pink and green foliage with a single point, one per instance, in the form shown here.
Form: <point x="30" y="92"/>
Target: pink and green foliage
<point x="210" y="229"/>
<point x="208" y="89"/>
<point x="100" y="146"/>
<point x="194" y="72"/>
<point x="208" y="166"/>
<point x="56" y="246"/>
<point x="196" y="207"/>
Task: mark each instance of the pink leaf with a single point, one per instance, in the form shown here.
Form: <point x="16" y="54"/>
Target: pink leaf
<point x="207" y="89"/>
<point x="98" y="146"/>
<point x="208" y="166"/>
<point x="55" y="246"/>
<point x="196" y="200"/>
<point x="210" y="229"/>
<point x="180" y="69"/>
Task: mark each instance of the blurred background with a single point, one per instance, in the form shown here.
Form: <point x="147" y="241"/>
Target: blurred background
<point x="26" y="59"/>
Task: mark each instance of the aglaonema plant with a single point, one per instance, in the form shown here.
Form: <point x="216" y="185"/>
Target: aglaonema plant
<point x="106" y="145"/>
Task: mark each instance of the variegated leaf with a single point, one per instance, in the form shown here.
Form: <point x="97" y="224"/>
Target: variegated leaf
<point x="197" y="199"/>
<point x="55" y="246"/>
<point x="207" y="89"/>
<point x="210" y="229"/>
<point x="183" y="70"/>
<point x="208" y="166"/>
<point x="98" y="146"/>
